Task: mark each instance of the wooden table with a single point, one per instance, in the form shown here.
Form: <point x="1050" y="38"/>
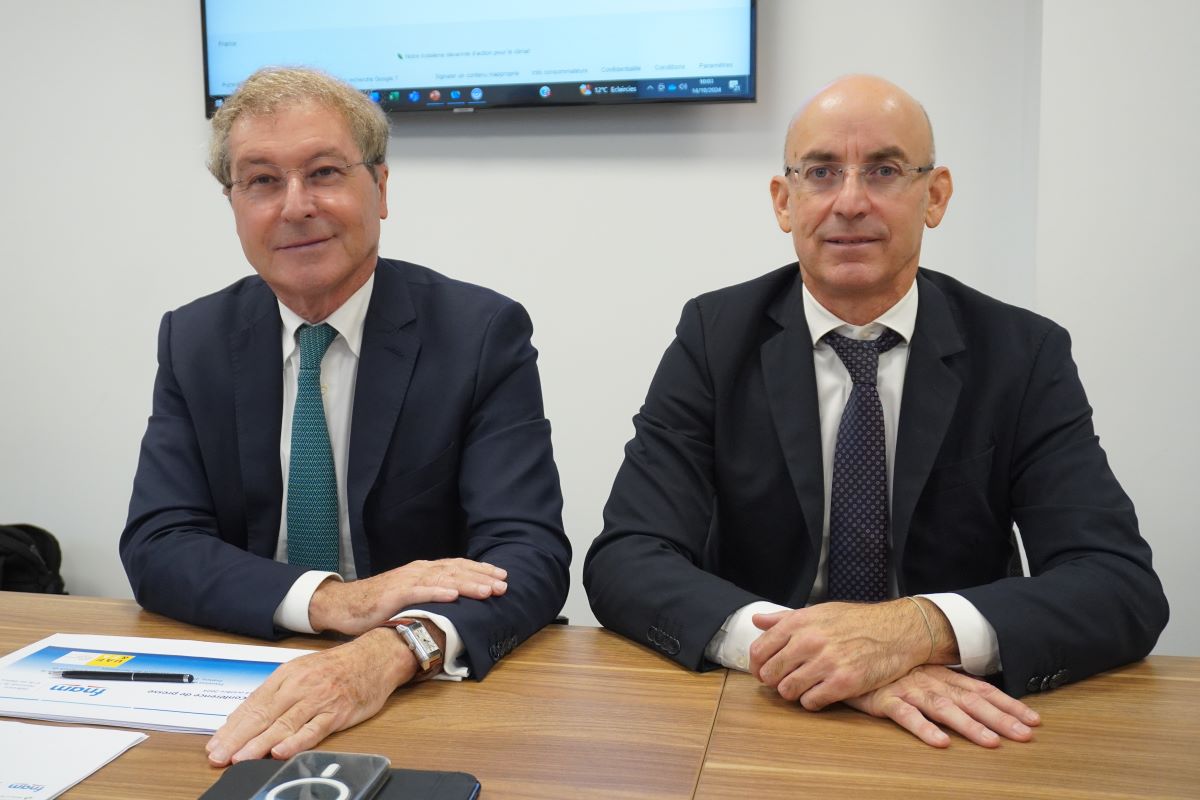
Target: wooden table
<point x="579" y="712"/>
<point x="573" y="712"/>
<point x="1132" y="732"/>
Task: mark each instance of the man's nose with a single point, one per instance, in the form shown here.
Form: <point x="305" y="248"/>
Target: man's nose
<point x="852" y="199"/>
<point x="298" y="201"/>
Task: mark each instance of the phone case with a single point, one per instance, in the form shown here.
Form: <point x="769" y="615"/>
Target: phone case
<point x="323" y="775"/>
<point x="242" y="780"/>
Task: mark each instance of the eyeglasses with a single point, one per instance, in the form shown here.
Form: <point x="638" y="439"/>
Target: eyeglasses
<point x="879" y="177"/>
<point x="267" y="183"/>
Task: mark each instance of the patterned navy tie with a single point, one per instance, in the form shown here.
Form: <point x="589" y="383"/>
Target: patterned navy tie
<point x="858" y="502"/>
<point x="312" y="509"/>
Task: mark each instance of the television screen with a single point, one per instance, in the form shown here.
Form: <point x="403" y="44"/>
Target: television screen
<point x="465" y="55"/>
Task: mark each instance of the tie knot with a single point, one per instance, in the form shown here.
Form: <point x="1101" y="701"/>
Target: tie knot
<point x="861" y="356"/>
<point x="314" y="341"/>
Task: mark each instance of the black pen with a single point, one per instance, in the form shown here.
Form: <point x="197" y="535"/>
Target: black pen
<point x="115" y="675"/>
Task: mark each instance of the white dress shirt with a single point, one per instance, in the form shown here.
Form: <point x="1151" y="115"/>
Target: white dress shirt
<point x="339" y="370"/>
<point x="978" y="647"/>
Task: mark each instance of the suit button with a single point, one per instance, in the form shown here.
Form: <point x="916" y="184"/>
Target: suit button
<point x="656" y="638"/>
<point x="1046" y="683"/>
<point x="1059" y="678"/>
<point x="1034" y="684"/>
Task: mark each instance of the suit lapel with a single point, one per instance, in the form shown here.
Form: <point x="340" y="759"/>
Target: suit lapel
<point x="791" y="384"/>
<point x="929" y="401"/>
<point x="385" y="369"/>
<point x="256" y="356"/>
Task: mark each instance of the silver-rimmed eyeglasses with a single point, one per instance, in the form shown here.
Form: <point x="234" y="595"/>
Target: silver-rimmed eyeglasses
<point x="266" y="183"/>
<point x="878" y="177"/>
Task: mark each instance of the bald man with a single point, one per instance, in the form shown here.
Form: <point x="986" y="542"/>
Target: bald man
<point x="824" y="480"/>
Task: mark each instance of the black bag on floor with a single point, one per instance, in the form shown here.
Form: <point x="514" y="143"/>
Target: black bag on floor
<point x="29" y="560"/>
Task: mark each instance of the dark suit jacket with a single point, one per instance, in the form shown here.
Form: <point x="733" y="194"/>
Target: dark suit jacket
<point x="449" y="456"/>
<point x="720" y="499"/>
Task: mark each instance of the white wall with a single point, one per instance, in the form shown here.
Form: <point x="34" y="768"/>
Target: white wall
<point x="1117" y="257"/>
<point x="603" y="222"/>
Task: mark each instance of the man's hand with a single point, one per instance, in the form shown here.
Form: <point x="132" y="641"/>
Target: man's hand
<point x="834" y="651"/>
<point x="979" y="711"/>
<point x="306" y="699"/>
<point x="358" y="606"/>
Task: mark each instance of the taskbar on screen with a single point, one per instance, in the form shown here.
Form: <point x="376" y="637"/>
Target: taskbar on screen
<point x="470" y="98"/>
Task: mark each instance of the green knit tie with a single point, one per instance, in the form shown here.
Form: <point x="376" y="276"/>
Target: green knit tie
<point x="312" y="509"/>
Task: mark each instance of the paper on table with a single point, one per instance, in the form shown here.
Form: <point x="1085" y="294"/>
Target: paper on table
<point x="222" y="676"/>
<point x="40" y="762"/>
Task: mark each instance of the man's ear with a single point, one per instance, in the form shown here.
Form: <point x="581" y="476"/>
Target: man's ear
<point x="381" y="182"/>
<point x="941" y="186"/>
<point x="781" y="195"/>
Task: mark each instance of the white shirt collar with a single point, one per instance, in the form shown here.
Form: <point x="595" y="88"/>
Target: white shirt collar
<point x="902" y="318"/>
<point x="347" y="320"/>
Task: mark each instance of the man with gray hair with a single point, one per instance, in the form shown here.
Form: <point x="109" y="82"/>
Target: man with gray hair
<point x="343" y="443"/>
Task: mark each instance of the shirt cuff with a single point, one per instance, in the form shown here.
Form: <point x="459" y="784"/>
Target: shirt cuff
<point x="453" y="666"/>
<point x="730" y="646"/>
<point x="292" y="612"/>
<point x="978" y="647"/>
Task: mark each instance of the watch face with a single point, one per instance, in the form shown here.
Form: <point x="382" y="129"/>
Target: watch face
<point x="422" y="644"/>
<point x="423" y="636"/>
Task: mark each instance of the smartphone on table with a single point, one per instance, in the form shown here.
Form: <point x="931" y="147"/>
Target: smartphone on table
<point x="321" y="775"/>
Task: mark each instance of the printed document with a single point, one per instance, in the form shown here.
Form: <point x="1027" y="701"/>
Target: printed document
<point x="158" y="684"/>
<point x="40" y="762"/>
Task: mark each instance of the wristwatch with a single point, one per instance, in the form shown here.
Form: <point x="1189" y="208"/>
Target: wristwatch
<point x="420" y="641"/>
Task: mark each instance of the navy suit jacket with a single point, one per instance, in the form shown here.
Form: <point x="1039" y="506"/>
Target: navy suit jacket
<point x="720" y="500"/>
<point x="450" y="455"/>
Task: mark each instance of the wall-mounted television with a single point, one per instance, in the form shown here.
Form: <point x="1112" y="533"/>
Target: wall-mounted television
<point x="468" y="55"/>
